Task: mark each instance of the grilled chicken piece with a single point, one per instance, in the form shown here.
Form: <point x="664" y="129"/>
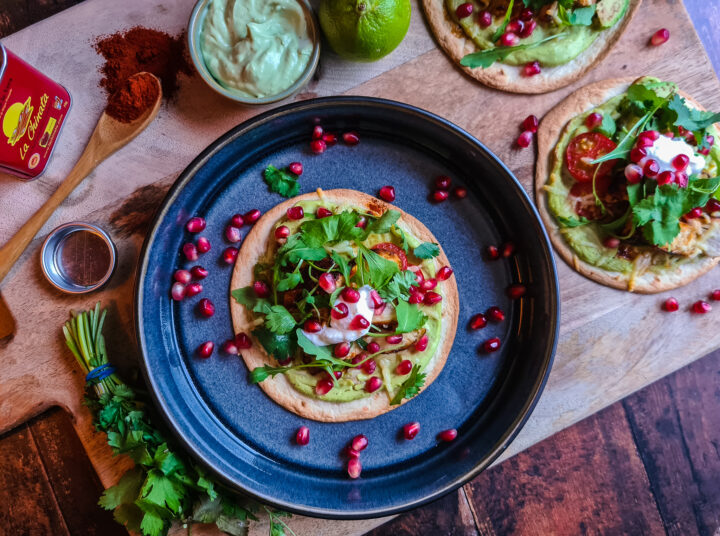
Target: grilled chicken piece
<point x="549" y="13"/>
<point x="699" y="235"/>
<point x="584" y="3"/>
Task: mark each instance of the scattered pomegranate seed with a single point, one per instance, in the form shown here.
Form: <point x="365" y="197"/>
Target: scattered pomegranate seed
<point x="341" y="350"/>
<point x="516" y="291"/>
<point x="410" y="430"/>
<point x="509" y="39"/>
<point x="460" y="192"/>
<point x="373" y="384"/>
<point x="203" y="245"/>
<point x="637" y="154"/>
<point x="198" y="272"/>
<point x="485" y="19"/>
<point x="680" y="162"/>
<point x="496" y="314"/>
<point x="339" y="311"/>
<point x="464" y="10"/>
<point x="190" y="251"/>
<point x="354" y="468"/>
<point x="229" y="347"/>
<point x="394" y="339"/>
<point x="530" y="123"/>
<point x="373" y="347"/>
<point x="491" y="345"/>
<point x="318" y="146"/>
<point x="359" y="322"/>
<point x="327" y="283"/>
<point x="508" y="248"/>
<point x="330" y="139"/>
<point x="351" y="138"/>
<point x="230" y="254"/>
<point x="444" y="273"/>
<point x="694" y="213"/>
<point x="296" y="168"/>
<point x="359" y="442"/>
<point x="666" y="177"/>
<point x="422" y="343"/>
<point x="447" y="435"/>
<point x="193" y="289"/>
<point x="593" y="120"/>
<point x="524" y="139"/>
<point x="438" y="196"/>
<point x="531" y="69"/>
<point x="478" y="321"/>
<point x="322" y="212"/>
<point x="295" y="213"/>
<point x="528" y="29"/>
<point x="633" y="173"/>
<point x="351" y="452"/>
<point x="701" y="307"/>
<point x="177" y="291"/>
<point x="261" y="289"/>
<point x="237" y="221"/>
<point x="206" y="308"/>
<point x="243" y="341"/>
<point x="317" y="132"/>
<point x="362" y="222"/>
<point x="660" y="37"/>
<point x="252" y="216"/>
<point x="611" y="242"/>
<point x="282" y="232"/>
<point x="431" y="298"/>
<point x="387" y="193"/>
<point x="195" y="225"/>
<point x="712" y="206"/>
<point x="369" y="366"/>
<point x="312" y="326"/>
<point x="350" y="295"/>
<point x="302" y="437"/>
<point x="492" y="253"/>
<point x="182" y="276"/>
<point x="443" y="182"/>
<point x="715" y="295"/>
<point x="232" y="234"/>
<point x="205" y="350"/>
<point x="323" y="387"/>
<point x="428" y="284"/>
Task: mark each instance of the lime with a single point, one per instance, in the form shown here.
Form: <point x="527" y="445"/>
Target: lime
<point x="364" y="30"/>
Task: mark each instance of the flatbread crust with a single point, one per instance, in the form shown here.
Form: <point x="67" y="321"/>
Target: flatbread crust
<point x="279" y="388"/>
<point x="455" y="42"/>
<point x="548" y="135"/>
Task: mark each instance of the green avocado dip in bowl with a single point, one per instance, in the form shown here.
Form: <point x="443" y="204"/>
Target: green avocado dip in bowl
<point x="254" y="52"/>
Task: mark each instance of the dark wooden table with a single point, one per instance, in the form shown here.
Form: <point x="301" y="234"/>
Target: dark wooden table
<point x="649" y="464"/>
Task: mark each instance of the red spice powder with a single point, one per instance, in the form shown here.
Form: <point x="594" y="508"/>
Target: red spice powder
<point x="133" y="98"/>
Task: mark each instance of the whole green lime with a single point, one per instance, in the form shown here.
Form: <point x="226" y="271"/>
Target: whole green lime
<point x="364" y="30"/>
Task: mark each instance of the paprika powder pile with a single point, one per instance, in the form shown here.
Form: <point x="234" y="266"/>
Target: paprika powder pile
<point x="133" y="98"/>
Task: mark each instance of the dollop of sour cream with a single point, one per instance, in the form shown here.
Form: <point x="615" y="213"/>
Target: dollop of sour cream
<point x="339" y="329"/>
<point x="665" y="149"/>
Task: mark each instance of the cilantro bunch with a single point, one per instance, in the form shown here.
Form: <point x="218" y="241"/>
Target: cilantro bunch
<point x="165" y="485"/>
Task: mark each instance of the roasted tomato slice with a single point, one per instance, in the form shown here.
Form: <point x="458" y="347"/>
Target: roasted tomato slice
<point x="393" y="253"/>
<point x="585" y="148"/>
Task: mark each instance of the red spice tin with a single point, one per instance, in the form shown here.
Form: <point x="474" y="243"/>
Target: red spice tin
<point x="32" y="112"/>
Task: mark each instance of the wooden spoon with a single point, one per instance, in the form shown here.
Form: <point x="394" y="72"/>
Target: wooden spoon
<point x="109" y="136"/>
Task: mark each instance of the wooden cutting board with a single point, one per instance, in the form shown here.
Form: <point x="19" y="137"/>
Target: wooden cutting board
<point x="611" y="342"/>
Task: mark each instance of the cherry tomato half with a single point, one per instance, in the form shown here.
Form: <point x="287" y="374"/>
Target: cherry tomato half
<point x="393" y="253"/>
<point x="585" y="148"/>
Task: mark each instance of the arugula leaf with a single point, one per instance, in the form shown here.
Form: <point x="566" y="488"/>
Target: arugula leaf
<point x="281" y="181"/>
<point x="690" y="118"/>
<point x="259" y="374"/>
<point x="649" y="93"/>
<point x="280" y="346"/>
<point x="409" y="317"/>
<point x="289" y="282"/>
<point x="384" y="223"/>
<point x="572" y="221"/>
<point x="485" y="58"/>
<point x="622" y="150"/>
<point x="380" y="270"/>
<point x="321" y="352"/>
<point x="399" y="286"/>
<point x="501" y="29"/>
<point x="427" y="250"/>
<point x="410" y="387"/>
<point x="279" y="320"/>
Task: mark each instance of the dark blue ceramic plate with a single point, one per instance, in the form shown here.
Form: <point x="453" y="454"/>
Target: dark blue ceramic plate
<point x="246" y="438"/>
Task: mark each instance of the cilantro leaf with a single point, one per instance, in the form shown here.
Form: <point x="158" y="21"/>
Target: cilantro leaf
<point x="580" y="16"/>
<point x="342" y="264"/>
<point x="405" y="246"/>
<point x="279" y="320"/>
<point x="410" y="387"/>
<point x="335" y="228"/>
<point x="399" y="286"/>
<point x="649" y="93"/>
<point x="290" y="281"/>
<point x="501" y="29"/>
<point x="280" y="346"/>
<point x="485" y="58"/>
<point x="384" y="223"/>
<point x="427" y="250"/>
<point x="409" y="317"/>
<point x="380" y="270"/>
<point x="295" y="249"/>
<point x="281" y="181"/>
<point x="246" y="296"/>
<point x="690" y="118"/>
<point x="322" y="352"/>
<point x="608" y="126"/>
<point x="125" y="491"/>
<point x="572" y="221"/>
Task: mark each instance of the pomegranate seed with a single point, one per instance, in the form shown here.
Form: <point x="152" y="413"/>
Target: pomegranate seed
<point x="651" y="169"/>
<point x="682" y="179"/>
<point x="659" y="37"/>
<point x="230" y="254"/>
<point x="195" y="225"/>
<point x="527" y="14"/>
<point x="282" y="232"/>
<point x="229" y="347"/>
<point x="190" y="251"/>
<point x="443" y="182"/>
<point x="515" y="26"/>
<point x="447" y="435"/>
<point x="671" y="305"/>
<point x="496" y="314"/>
<point x="491" y="345"/>
<point x="611" y="242"/>
<point x="373" y="384"/>
<point x="633" y="173"/>
<point x="508" y="248"/>
<point x="444" y="273"/>
<point x="359" y="442"/>
<point x="237" y="221"/>
<point x="644" y="142"/>
<point x="203" y="245"/>
<point x="352" y="453"/>
<point x="261" y="289"/>
<point x="682" y="131"/>
<point x="302" y="437"/>
<point x="205" y="350"/>
<point x="530" y="123"/>
<point x="337" y="374"/>
<point x="317" y="132"/>
<point x="464" y="10"/>
<point x="394" y="339"/>
<point x="350" y="295"/>
<point x="712" y="206"/>
<point x="339" y="311"/>
<point x="415" y="298"/>
<point x="206" y="308"/>
<point x="243" y="341"/>
<point x="438" y="196"/>
<point x="198" y="272"/>
<point x="327" y="283"/>
<point x="710" y="140"/>
<point x="680" y="162"/>
<point x="431" y="298"/>
<point x="318" y="146"/>
<point x="362" y="222"/>
<point x="460" y="192"/>
<point x="478" y="321"/>
<point x="232" y="234"/>
<point x="593" y="120"/>
<point x="330" y="139"/>
<point x="351" y="138"/>
<point x="410" y="430"/>
<point x="637" y="154"/>
<point x="694" y="213"/>
<point x="295" y="213"/>
<point x="528" y="29"/>
<point x="666" y="177"/>
<point x="177" y="291"/>
<point x="715" y="295"/>
<point x="485" y="19"/>
<point x="322" y="212"/>
<point x="428" y="284"/>
<point x="531" y="69"/>
<point x="492" y="253"/>
<point x="701" y="307"/>
<point x="354" y="468"/>
<point x="323" y="387"/>
<point x="193" y="289"/>
<point x="373" y="347"/>
<point x="359" y="322"/>
<point x="252" y="216"/>
<point x="342" y="349"/>
<point x="359" y="358"/>
<point x="312" y="326"/>
<point x="369" y="366"/>
<point x="704" y="151"/>
<point x="525" y="139"/>
<point x="387" y="193"/>
<point x="516" y="291"/>
<point x="509" y="39"/>
<point x="422" y="343"/>
<point x="296" y="168"/>
<point x="182" y="276"/>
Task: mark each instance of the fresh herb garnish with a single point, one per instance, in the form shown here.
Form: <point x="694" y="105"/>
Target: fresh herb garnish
<point x="246" y="296"/>
<point x="409" y="317"/>
<point x="691" y="118"/>
<point x="572" y="221"/>
<point x="608" y="126"/>
<point x="506" y="19"/>
<point x="289" y="281"/>
<point x="279" y="345"/>
<point x="399" y="286"/>
<point x="579" y="16"/>
<point x="427" y="250"/>
<point x="279" y="320"/>
<point x="281" y="181"/>
<point x="379" y="270"/>
<point x="384" y="223"/>
<point x="410" y="387"/>
<point x="335" y="228"/>
<point x="485" y="58"/>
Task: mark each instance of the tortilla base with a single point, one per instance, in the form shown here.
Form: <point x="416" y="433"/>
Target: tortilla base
<point x="279" y="388"/>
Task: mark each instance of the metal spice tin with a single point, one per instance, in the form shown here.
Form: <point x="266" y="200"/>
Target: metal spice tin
<point x="32" y="111"/>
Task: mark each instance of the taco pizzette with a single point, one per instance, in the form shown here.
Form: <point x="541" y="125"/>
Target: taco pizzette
<point x="350" y="304"/>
